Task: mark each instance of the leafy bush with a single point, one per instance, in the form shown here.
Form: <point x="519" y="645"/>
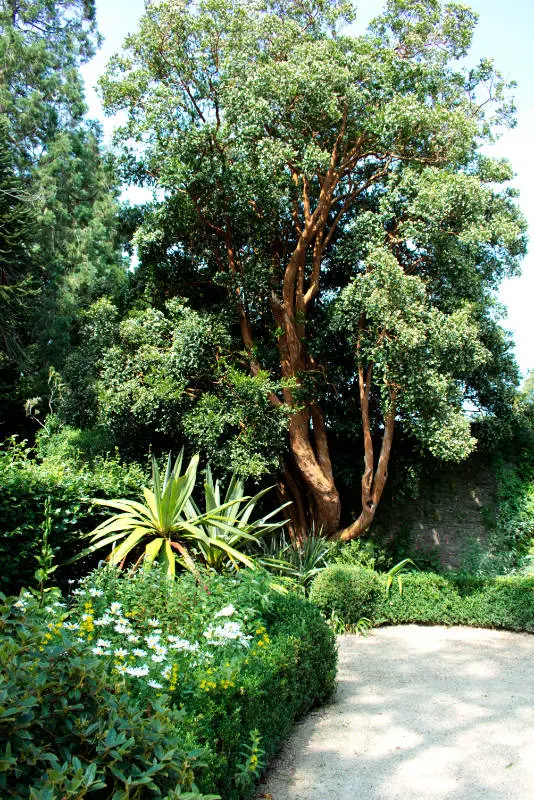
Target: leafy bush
<point x="25" y="485"/>
<point x="241" y="659"/>
<point x="431" y="599"/>
<point x="67" y="731"/>
<point x="348" y="591"/>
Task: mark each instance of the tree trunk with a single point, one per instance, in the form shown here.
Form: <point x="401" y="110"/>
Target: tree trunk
<point x="373" y="481"/>
<point x="290" y="491"/>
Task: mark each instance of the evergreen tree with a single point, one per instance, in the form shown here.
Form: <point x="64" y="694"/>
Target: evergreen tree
<point x="332" y="187"/>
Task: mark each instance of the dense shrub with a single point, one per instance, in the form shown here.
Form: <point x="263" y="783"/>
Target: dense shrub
<point x="427" y="598"/>
<point x="26" y="483"/>
<point x="68" y="731"/>
<point x="347" y="591"/>
<point x="239" y="658"/>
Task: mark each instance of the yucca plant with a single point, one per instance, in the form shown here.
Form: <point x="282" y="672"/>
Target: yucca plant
<point x="238" y="529"/>
<point x="301" y="561"/>
<point x="171" y="527"/>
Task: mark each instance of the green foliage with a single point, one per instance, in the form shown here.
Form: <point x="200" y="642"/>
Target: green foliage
<point x="25" y="486"/>
<point x="68" y="732"/>
<point x="241" y="659"/>
<point x="58" y="191"/>
<point x="298" y="561"/>
<point x="173" y="523"/>
<point x="334" y="180"/>
<point x="173" y="377"/>
<point x="424" y="351"/>
<point x="360" y="552"/>
<point x="397" y="572"/>
<point x="237" y="526"/>
<point x="348" y="591"/>
<point x="511" y="537"/>
<point x="430" y="599"/>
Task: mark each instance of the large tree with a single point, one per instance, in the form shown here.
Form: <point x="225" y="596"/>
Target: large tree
<point x="333" y="186"/>
<point x="54" y="176"/>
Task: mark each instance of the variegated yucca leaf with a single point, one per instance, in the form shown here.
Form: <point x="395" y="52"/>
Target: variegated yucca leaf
<point x="169" y="528"/>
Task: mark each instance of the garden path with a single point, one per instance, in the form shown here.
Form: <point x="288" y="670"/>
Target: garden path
<point x="420" y="713"/>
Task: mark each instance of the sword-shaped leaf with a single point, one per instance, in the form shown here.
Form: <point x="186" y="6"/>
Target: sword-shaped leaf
<point x="124" y="548"/>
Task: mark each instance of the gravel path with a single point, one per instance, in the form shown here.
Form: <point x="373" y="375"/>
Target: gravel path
<point x="420" y="714"/>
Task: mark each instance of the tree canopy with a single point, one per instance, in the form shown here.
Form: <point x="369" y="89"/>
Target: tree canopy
<point x="59" y="234"/>
<point x="330" y="190"/>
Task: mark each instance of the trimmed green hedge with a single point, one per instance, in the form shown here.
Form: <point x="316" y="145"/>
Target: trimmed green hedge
<point x="292" y="675"/>
<point x="430" y="599"/>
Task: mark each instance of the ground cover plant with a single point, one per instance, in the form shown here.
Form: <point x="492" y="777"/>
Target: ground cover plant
<point x="349" y="592"/>
<point x="233" y="660"/>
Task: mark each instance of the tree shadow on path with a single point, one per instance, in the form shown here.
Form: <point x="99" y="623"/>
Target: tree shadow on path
<point x="420" y="713"/>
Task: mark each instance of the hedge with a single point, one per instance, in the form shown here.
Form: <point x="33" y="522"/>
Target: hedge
<point x="427" y="598"/>
<point x="25" y="485"/>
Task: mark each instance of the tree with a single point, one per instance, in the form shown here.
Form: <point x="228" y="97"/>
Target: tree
<point x="63" y="249"/>
<point x="333" y="186"/>
<point x="168" y="379"/>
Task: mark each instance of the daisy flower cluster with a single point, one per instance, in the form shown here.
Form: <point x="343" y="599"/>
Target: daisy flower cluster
<point x="144" y="653"/>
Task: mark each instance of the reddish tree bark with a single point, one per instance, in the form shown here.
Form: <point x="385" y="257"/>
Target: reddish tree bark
<point x="317" y="212"/>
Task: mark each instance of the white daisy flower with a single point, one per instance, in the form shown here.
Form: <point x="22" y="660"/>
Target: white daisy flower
<point x="105" y="620"/>
<point x="71" y="626"/>
<point x="120" y="652"/>
<point x="227" y="611"/>
<point x="121" y="668"/>
<point x="166" y="673"/>
<point x="154" y="623"/>
<point x="97" y="651"/>
<point x="126" y="629"/>
<point x="138" y="672"/>
<point x="115" y="608"/>
<point x="138" y="652"/>
<point x="103" y="643"/>
<point x="183" y="644"/>
<point x="96" y="592"/>
<point x="132" y="637"/>
<point x="20" y="604"/>
<point x="155" y="685"/>
<point x="152" y="641"/>
<point x="158" y="658"/>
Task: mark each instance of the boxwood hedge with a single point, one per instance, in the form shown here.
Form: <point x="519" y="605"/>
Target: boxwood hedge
<point x="426" y="598"/>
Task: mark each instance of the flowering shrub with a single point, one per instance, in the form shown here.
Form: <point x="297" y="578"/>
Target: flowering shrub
<point x="68" y="731"/>
<point x="240" y="660"/>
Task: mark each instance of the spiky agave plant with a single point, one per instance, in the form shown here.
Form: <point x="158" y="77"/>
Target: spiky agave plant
<point x="168" y="523"/>
<point x="238" y="529"/>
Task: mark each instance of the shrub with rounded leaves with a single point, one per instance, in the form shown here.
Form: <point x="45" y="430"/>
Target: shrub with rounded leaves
<point x="348" y="591"/>
<point x="68" y="731"/>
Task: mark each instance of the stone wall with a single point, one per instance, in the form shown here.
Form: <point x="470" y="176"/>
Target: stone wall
<point x="450" y="517"/>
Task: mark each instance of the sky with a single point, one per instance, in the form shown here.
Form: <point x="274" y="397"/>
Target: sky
<point x="505" y="32"/>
